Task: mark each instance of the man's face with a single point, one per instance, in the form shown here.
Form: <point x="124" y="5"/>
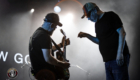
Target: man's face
<point x="93" y="16"/>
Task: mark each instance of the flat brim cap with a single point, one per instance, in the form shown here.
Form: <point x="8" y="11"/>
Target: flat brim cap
<point x="83" y="16"/>
<point x="59" y="24"/>
<point x="87" y="8"/>
<point x="54" y="18"/>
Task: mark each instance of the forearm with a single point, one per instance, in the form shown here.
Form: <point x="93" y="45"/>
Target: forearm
<point x="55" y="62"/>
<point x="93" y="39"/>
<point x="50" y="59"/>
<point x="121" y="44"/>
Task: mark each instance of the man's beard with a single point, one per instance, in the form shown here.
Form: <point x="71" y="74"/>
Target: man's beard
<point x="50" y="33"/>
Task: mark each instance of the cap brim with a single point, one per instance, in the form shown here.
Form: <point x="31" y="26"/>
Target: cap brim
<point x="83" y="16"/>
<point x="59" y="24"/>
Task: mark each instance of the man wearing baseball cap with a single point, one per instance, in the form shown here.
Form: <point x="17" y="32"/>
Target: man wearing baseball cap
<point x="41" y="50"/>
<point x="110" y="36"/>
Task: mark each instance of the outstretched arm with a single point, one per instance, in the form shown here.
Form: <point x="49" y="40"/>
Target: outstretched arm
<point x="92" y="38"/>
<point x="122" y="34"/>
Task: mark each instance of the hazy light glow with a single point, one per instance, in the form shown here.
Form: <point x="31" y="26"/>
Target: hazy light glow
<point x="69" y="16"/>
<point x="32" y="10"/>
<point x="67" y="19"/>
<point x="57" y="9"/>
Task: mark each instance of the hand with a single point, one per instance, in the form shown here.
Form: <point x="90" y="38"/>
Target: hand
<point x="67" y="41"/>
<point x="82" y="34"/>
<point x="66" y="65"/>
<point x="120" y="59"/>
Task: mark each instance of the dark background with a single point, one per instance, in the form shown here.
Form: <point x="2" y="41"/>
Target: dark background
<point x="17" y="25"/>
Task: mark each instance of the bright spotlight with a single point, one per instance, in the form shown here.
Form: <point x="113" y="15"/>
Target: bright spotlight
<point x="67" y="19"/>
<point x="57" y="9"/>
<point x="32" y="10"/>
<point x="69" y="16"/>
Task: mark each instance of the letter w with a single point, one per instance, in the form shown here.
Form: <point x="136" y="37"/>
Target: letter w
<point x="2" y="55"/>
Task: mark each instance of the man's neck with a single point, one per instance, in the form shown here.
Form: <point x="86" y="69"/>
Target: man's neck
<point x="44" y="28"/>
<point x="100" y="13"/>
<point x="47" y="31"/>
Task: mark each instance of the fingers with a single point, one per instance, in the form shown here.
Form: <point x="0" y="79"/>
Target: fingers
<point x="68" y="41"/>
<point x="120" y="62"/>
<point x="63" y="38"/>
<point x="81" y="34"/>
<point x="67" y="65"/>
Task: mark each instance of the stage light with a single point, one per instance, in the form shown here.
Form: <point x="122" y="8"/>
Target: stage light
<point x="67" y="19"/>
<point x="57" y="9"/>
<point x="69" y="16"/>
<point x="32" y="10"/>
<point x="59" y="0"/>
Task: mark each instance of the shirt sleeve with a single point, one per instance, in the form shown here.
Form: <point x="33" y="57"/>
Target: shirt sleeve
<point x="45" y="42"/>
<point x="116" y="21"/>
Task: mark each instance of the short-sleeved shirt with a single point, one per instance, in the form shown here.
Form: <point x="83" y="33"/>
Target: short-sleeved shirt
<point x="40" y="40"/>
<point x="108" y="37"/>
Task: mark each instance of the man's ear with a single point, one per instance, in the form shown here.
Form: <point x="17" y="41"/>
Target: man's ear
<point x="51" y="24"/>
<point x="95" y="10"/>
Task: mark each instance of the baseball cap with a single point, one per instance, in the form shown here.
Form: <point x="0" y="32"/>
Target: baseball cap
<point x="53" y="17"/>
<point x="87" y="8"/>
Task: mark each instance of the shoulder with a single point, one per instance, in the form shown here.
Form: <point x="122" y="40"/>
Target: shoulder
<point x="44" y="36"/>
<point x="111" y="13"/>
<point x="40" y="33"/>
